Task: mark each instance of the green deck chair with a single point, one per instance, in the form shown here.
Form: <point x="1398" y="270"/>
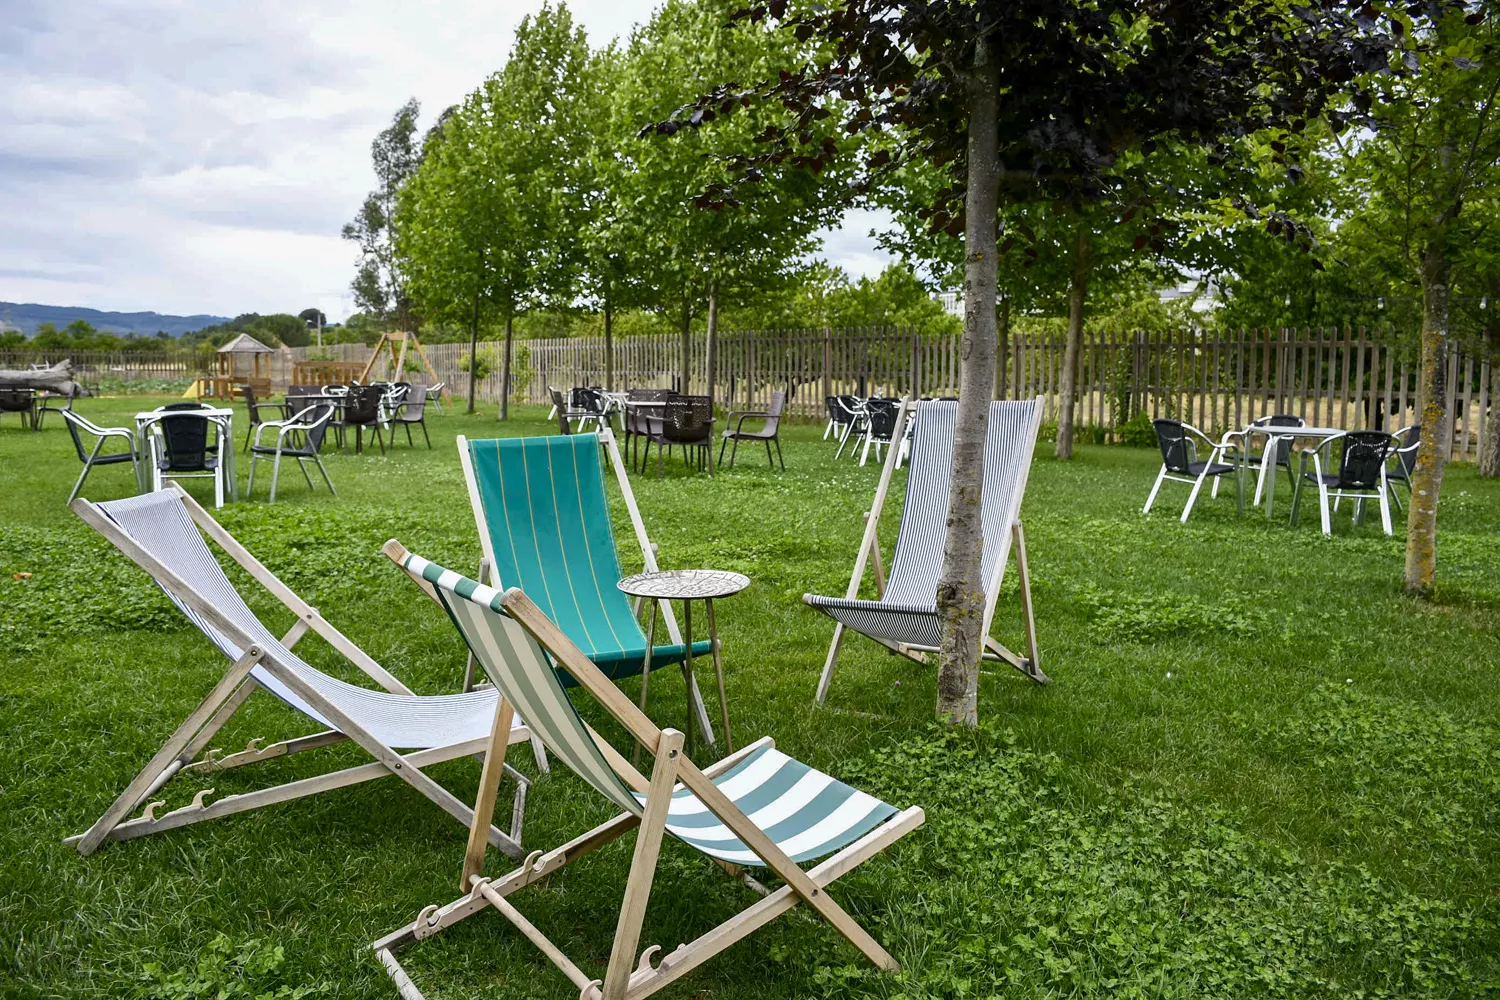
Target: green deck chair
<point x="544" y="524"/>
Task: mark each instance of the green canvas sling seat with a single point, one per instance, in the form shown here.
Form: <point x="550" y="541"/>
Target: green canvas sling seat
<point x="544" y="524"/>
<point x="756" y="808"/>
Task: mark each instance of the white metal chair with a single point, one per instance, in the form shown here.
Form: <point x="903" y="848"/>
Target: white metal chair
<point x="300" y="438"/>
<point x="1360" y="475"/>
<point x="1180" y="463"/>
<point x="96" y="455"/>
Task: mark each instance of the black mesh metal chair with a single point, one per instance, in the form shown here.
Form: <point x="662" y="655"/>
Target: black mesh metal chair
<point x="689" y="423"/>
<point x="95" y="455"/>
<point x="1180" y="463"/>
<point x="645" y="414"/>
<point x="1360" y="475"/>
<point x="768" y="432"/>
<point x="255" y="407"/>
<point x="301" y="438"/>
<point x="412" y="411"/>
<point x="854" y="423"/>
<point x="880" y="425"/>
<point x="587" y="403"/>
<point x="362" y="406"/>
<point x="44" y="401"/>
<point x="839" y="416"/>
<point x="21" y="402"/>
<point x="1270" y="458"/>
<point x="183" y="449"/>
<point x="1403" y="460"/>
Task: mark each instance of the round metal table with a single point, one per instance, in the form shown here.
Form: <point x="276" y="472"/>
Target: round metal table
<point x="687" y="586"/>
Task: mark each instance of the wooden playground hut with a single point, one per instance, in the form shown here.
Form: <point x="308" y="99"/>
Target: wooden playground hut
<point x="242" y="361"/>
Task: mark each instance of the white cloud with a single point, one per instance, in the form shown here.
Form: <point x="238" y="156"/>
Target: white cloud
<point x="189" y="157"/>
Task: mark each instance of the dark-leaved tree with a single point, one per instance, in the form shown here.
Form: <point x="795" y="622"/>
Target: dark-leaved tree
<point x="1035" y="100"/>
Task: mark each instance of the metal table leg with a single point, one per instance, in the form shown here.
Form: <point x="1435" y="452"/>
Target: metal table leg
<point x="635" y="754"/>
<point x="687" y="666"/>
<point x="713" y="640"/>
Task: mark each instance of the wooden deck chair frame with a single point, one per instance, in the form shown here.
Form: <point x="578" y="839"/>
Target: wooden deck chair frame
<point x="180" y="754"/>
<point x="868" y="558"/>
<point x="648" y="557"/>
<point x="628" y="976"/>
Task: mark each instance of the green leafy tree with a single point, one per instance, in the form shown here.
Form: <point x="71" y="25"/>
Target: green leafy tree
<point x="1047" y="96"/>
<point x="379" y="286"/>
<point x="1434" y="149"/>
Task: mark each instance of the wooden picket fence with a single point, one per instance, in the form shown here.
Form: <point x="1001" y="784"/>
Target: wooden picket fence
<point x="1345" y="378"/>
<point x="90" y="368"/>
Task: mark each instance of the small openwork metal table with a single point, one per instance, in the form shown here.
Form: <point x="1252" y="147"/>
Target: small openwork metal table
<point x="687" y="586"/>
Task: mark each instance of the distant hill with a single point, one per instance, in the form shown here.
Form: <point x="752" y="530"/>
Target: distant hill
<point x="27" y="316"/>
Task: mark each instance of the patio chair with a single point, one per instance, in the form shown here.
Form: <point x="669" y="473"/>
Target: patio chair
<point x="544" y="525"/>
<point x="364" y="407"/>
<point x="21" y="402"/>
<point x="1359" y="476"/>
<point x="435" y="396"/>
<point x="904" y="616"/>
<point x="588" y="403"/>
<point x="254" y="406"/>
<point x="688" y="424"/>
<point x="768" y="432"/>
<point x="299" y="438"/>
<point x="1180" y="463"/>
<point x="560" y="411"/>
<point x="880" y="426"/>
<point x="1279" y="457"/>
<point x="44" y="406"/>
<point x="854" y="428"/>
<point x="838" y="417"/>
<point x="95" y="455"/>
<point x="410" y="413"/>
<point x="180" y="448"/>
<point x="1403" y="460"/>
<point x="643" y="421"/>
<point x="757" y="808"/>
<point x="570" y="407"/>
<point x="163" y="534"/>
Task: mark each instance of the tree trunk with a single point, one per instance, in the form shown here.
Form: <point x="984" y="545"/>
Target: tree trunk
<point x="505" y="371"/>
<point x="473" y="351"/>
<point x="1489" y="448"/>
<point x="960" y="595"/>
<point x="1078" y="291"/>
<point x="609" y="346"/>
<point x="1432" y="455"/>
<point x="687" y="332"/>
<point x="711" y="341"/>
<point x="1002" y="345"/>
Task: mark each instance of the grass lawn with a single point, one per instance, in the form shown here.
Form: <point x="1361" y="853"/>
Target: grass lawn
<point x="1261" y="770"/>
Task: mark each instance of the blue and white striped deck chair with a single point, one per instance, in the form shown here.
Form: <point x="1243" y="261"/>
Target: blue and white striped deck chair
<point x="163" y="534"/>
<point x="756" y="808"/>
<point x="904" y="614"/>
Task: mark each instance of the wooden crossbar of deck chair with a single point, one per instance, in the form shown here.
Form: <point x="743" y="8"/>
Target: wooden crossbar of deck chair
<point x="758" y="808"/>
<point x="163" y="534"/>
<point x="904" y="616"/>
<point x="544" y="526"/>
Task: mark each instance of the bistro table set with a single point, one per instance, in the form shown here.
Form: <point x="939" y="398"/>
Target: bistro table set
<point x="1367" y="464"/>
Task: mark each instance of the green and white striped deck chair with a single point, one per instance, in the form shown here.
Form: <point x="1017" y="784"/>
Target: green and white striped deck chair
<point x="544" y="526"/>
<point x="163" y="533"/>
<point x="904" y="614"/>
<point x="756" y="808"/>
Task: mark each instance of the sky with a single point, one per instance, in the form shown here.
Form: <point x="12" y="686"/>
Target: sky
<point x="189" y="157"/>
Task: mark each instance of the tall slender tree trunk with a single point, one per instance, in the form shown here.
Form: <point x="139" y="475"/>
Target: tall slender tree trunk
<point x="711" y="341"/>
<point x="687" y="332"/>
<point x="1489" y="450"/>
<point x="1002" y="344"/>
<point x="473" y="351"/>
<point x="1078" y="291"/>
<point x="960" y="595"/>
<point x="1432" y="455"/>
<point x="505" y="370"/>
<point x="609" y="346"/>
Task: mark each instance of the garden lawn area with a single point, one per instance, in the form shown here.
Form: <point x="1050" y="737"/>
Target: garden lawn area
<point x="1261" y="770"/>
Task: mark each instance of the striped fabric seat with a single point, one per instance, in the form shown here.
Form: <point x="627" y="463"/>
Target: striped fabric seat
<point x="807" y="813"/>
<point x="545" y="520"/>
<point x="907" y="612"/>
<point x="162" y="526"/>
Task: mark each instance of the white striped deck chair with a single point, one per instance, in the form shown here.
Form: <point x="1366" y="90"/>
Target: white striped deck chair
<point x="904" y="614"/>
<point x="756" y="808"/>
<point x="160" y="533"/>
